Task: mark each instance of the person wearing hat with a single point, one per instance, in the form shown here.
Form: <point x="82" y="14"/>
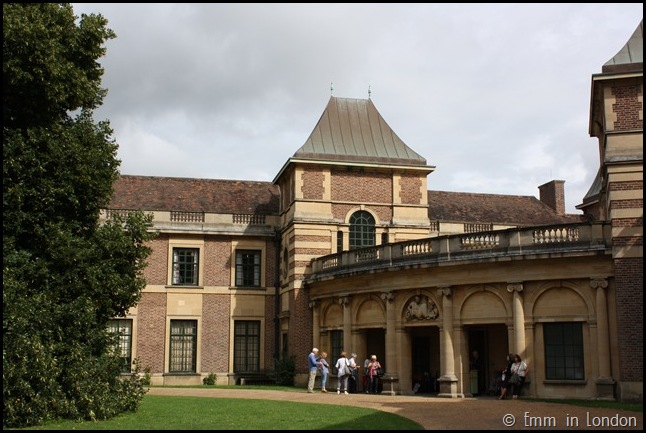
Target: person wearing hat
<point x="312" y="365"/>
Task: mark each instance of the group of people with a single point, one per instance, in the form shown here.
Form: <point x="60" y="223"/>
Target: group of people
<point x="347" y="372"/>
<point x="513" y="376"/>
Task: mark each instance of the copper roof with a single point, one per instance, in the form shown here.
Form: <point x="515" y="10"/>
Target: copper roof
<point x="352" y="130"/>
<point x="469" y="207"/>
<point x="631" y="56"/>
<point x="194" y="195"/>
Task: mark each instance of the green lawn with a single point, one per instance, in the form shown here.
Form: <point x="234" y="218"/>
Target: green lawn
<point x="198" y="413"/>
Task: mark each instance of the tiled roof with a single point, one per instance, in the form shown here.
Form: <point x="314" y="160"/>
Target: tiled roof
<point x="491" y="208"/>
<point x="248" y="197"/>
<point x="195" y="195"/>
<point x="352" y="130"/>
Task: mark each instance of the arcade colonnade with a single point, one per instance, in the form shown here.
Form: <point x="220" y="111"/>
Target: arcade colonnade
<point x="512" y="315"/>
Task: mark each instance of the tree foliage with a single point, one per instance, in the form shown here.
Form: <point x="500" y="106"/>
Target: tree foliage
<point x="65" y="274"/>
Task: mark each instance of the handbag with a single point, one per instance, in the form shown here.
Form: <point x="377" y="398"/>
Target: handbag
<point x="378" y="372"/>
<point x="348" y="369"/>
<point x="515" y="379"/>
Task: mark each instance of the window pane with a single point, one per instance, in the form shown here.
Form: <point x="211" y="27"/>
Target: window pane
<point x="185" y="266"/>
<point x="123" y="327"/>
<point x="563" y="351"/>
<point x="362" y="230"/>
<point x="183" y="346"/>
<point x="246" y="346"/>
<point x="248" y="269"/>
<point x="384" y="238"/>
<point x="337" y="348"/>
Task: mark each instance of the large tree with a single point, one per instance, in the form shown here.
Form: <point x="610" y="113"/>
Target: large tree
<point x="65" y="274"/>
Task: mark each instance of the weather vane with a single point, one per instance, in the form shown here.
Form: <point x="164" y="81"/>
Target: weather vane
<point x="331" y="89"/>
<point x="368" y="91"/>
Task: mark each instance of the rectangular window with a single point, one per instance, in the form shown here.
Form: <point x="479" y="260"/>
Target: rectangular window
<point x="247" y="268"/>
<point x="183" y="346"/>
<point x="384" y="238"/>
<point x="339" y="241"/>
<point x="563" y="351"/>
<point x="123" y="327"/>
<point x="185" y="266"/>
<point x="246" y="346"/>
<point x="336" y="340"/>
<point x="285" y="348"/>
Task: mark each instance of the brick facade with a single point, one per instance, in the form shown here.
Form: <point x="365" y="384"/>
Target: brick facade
<point x="151" y="331"/>
<point x="411" y="189"/>
<point x="628" y="107"/>
<point x="218" y="262"/>
<point x="630" y="311"/>
<point x="313" y="187"/>
<point x="216" y="332"/>
<point x="360" y="187"/>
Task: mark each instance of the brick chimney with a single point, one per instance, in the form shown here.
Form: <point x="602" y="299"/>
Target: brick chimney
<point x="553" y="194"/>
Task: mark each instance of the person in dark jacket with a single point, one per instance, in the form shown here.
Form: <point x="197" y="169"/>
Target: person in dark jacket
<point x="506" y="375"/>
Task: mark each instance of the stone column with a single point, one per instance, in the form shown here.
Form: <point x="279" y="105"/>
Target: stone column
<point x="405" y="361"/>
<point x="316" y="322"/>
<point x="463" y="360"/>
<point x="605" y="382"/>
<point x="390" y="378"/>
<point x="347" y="323"/>
<point x="448" y="380"/>
<point x="519" y="318"/>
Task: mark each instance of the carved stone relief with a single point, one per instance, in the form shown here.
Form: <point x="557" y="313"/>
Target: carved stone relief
<point x="421" y="308"/>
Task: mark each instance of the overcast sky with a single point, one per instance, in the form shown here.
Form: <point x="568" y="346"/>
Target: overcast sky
<point x="495" y="96"/>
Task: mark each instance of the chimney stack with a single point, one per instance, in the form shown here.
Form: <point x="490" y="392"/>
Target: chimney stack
<point x="553" y="194"/>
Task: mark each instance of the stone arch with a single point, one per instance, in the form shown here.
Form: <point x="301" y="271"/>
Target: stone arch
<point x="484" y="304"/>
<point x="370" y="312"/>
<point x="332" y="315"/>
<point x="561" y="300"/>
<point x="354" y="209"/>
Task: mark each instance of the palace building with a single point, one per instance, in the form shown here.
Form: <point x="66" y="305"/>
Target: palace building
<point x="348" y="250"/>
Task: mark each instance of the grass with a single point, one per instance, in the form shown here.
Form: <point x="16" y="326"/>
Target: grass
<point x="198" y="413"/>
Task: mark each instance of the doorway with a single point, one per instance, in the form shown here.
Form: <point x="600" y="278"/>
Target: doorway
<point x="491" y="343"/>
<point x="425" y="368"/>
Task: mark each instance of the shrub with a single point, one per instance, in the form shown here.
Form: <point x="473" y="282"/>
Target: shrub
<point x="211" y="379"/>
<point x="285" y="369"/>
<point x="147" y="380"/>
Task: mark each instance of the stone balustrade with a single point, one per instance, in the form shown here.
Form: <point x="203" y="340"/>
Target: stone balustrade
<point x="576" y="237"/>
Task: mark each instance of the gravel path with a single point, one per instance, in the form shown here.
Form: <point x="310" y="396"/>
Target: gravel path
<point x="433" y="413"/>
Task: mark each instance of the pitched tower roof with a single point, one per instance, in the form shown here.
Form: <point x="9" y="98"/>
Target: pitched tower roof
<point x="631" y="56"/>
<point x="352" y="130"/>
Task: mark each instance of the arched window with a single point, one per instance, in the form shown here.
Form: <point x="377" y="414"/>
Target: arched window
<point x="362" y="230"/>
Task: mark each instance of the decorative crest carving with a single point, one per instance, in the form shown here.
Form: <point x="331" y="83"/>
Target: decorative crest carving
<point x="421" y="308"/>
